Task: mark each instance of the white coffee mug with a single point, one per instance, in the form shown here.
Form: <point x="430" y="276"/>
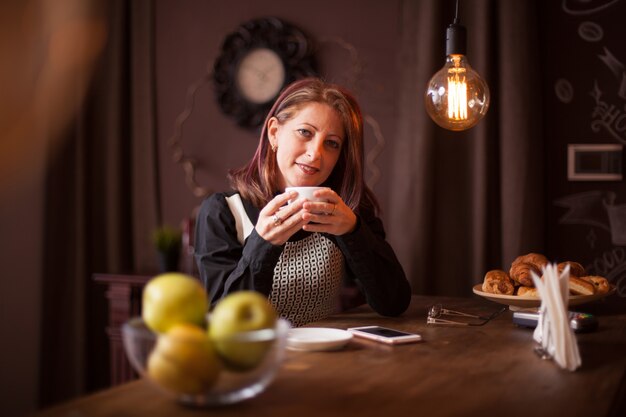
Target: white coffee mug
<point x="307" y="192"/>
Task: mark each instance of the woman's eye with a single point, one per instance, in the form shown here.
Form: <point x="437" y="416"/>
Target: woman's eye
<point x="304" y="132"/>
<point x="333" y="144"/>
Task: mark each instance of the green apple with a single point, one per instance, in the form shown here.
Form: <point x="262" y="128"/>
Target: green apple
<point x="184" y="360"/>
<point x="238" y="312"/>
<point x="173" y="298"/>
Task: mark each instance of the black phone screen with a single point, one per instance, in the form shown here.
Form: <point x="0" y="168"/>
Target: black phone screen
<point x="385" y="332"/>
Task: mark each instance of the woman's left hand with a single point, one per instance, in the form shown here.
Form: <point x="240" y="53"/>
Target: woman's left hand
<point x="332" y="216"/>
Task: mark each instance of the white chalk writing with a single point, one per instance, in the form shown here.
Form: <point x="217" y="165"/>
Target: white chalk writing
<point x="607" y="116"/>
<point x="590" y="31"/>
<point x="585" y="7"/>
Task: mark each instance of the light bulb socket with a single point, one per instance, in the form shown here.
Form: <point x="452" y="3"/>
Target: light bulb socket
<point x="456" y="39"/>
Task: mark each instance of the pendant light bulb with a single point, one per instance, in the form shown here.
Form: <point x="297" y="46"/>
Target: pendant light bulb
<point x="456" y="98"/>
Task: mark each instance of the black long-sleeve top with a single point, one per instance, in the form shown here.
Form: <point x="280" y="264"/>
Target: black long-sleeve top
<point x="226" y="266"/>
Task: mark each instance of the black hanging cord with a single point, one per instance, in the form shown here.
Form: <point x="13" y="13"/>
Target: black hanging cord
<point x="456" y="36"/>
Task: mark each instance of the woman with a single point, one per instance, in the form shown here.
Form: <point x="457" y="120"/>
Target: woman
<point x="301" y="254"/>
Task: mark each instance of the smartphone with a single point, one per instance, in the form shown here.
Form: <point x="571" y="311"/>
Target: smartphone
<point x="579" y="322"/>
<point x="385" y="335"/>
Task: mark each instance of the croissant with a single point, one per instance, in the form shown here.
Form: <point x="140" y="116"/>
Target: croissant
<point x="601" y="283"/>
<point x="523" y="265"/>
<point x="528" y="292"/>
<point x="498" y="282"/>
<point x="521" y="273"/>
<point x="575" y="269"/>
<point x="578" y="286"/>
<point x="536" y="259"/>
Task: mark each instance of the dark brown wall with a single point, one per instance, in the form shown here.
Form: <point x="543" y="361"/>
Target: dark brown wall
<point x="189" y="39"/>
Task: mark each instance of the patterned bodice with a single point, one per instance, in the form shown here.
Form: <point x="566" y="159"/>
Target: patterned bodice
<point x="307" y="280"/>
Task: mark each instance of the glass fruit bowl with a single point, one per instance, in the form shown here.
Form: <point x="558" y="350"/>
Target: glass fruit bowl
<point x="197" y="371"/>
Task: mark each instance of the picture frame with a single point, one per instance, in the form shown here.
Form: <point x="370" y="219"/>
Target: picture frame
<point x="594" y="162"/>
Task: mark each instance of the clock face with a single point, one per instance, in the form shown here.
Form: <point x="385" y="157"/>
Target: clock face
<point x="260" y="75"/>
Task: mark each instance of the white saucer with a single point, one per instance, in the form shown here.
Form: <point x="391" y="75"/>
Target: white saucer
<point x="317" y="338"/>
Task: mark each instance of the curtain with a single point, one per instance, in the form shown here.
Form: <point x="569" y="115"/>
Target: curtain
<point x="100" y="204"/>
<point x="462" y="203"/>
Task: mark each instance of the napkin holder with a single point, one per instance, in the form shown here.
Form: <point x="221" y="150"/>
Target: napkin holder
<point x="553" y="332"/>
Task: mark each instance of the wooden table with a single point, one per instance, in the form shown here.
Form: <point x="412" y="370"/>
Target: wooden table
<point x="489" y="370"/>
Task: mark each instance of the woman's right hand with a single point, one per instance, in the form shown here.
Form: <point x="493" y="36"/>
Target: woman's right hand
<point x="278" y="221"/>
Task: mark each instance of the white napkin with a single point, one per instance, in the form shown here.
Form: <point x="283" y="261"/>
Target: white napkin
<point x="553" y="330"/>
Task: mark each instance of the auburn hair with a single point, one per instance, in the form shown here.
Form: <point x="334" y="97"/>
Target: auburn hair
<point x="258" y="180"/>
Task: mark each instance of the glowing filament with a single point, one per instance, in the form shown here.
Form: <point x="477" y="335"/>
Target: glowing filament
<point x="457" y="97"/>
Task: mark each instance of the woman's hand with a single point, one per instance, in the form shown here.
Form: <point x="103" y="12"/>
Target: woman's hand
<point x="278" y="222"/>
<point x="333" y="216"/>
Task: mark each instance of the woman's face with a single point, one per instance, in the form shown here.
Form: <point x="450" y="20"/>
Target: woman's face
<point x="308" y="145"/>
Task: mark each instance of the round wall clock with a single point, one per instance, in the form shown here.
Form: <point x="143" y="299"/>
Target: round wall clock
<point x="256" y="61"/>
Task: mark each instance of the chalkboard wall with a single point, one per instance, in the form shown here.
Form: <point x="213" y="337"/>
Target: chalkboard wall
<point x="584" y="84"/>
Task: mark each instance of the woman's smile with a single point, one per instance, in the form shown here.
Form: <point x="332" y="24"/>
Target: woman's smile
<point x="307" y="169"/>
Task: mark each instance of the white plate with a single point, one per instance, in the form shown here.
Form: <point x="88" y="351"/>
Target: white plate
<point x="530" y="302"/>
<point x="317" y="338"/>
